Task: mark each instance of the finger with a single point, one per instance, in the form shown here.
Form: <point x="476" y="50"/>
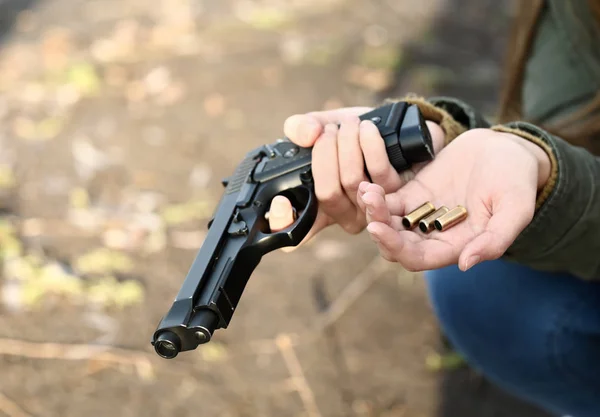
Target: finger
<point x="383" y="251"/>
<point x="351" y="162"/>
<point x="509" y="218"/>
<point x="332" y="199"/>
<point x="305" y="129"/>
<point x="281" y="213"/>
<point x="376" y="209"/>
<point x="412" y="251"/>
<point x="362" y="189"/>
<point x="378" y="164"/>
<point x="321" y="222"/>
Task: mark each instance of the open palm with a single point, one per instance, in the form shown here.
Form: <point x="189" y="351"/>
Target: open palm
<point x="495" y="177"/>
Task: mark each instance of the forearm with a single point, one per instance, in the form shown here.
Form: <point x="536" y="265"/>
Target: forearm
<point x="565" y="232"/>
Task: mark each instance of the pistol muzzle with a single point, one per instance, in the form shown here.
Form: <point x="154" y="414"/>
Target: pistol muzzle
<point x="167" y="345"/>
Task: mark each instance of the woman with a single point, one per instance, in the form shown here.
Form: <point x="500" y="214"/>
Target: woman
<point x="516" y="286"/>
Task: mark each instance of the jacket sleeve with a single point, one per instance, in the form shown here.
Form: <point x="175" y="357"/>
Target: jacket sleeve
<point x="564" y="235"/>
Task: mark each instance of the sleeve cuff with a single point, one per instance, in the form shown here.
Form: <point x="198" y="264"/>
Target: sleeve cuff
<point x="454" y="116"/>
<point x="563" y="233"/>
<point x="535" y="135"/>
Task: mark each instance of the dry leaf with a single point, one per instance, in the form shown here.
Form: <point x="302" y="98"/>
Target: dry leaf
<point x="157" y="80"/>
<point x="154" y="135"/>
<point x="383" y="57"/>
<point x="56" y="48"/>
<point x="32" y="227"/>
<point x="33" y="93"/>
<point x="267" y="19"/>
<point x="84" y="77"/>
<point x="293" y="49"/>
<point x="79" y="198"/>
<point x="272" y="76"/>
<point x="214" y="105"/>
<point x="234" y="119"/>
<point x="7" y="177"/>
<point x="115" y="76"/>
<point x="327" y="250"/>
<point x="24" y="128"/>
<point x="11" y="295"/>
<point x="200" y="176"/>
<point x="172" y="94"/>
<point x="67" y="95"/>
<point x="213" y="352"/>
<point x="372" y="79"/>
<point x="156" y="241"/>
<point x="145" y="370"/>
<point x="449" y="361"/>
<point x="84" y="219"/>
<point x="115" y="238"/>
<point x="375" y="35"/>
<point x="104" y="50"/>
<point x="103" y="261"/>
<point x="333" y="103"/>
<point x="187" y="239"/>
<point x="181" y="213"/>
<point x="135" y="92"/>
<point x="108" y="292"/>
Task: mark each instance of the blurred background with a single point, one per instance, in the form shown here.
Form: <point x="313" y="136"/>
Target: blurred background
<point x="118" y="118"/>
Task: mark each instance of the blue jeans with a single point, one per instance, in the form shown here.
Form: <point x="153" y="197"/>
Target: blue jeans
<point x="534" y="334"/>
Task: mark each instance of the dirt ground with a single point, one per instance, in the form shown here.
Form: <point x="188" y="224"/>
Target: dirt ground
<point x="119" y="118"/>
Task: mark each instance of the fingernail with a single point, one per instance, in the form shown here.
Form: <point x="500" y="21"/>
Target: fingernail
<point x="371" y="228"/>
<point x="472" y="261"/>
<point x="365" y="122"/>
<point x="362" y="187"/>
<point x="367" y="198"/>
<point x="330" y="128"/>
<point x="278" y="206"/>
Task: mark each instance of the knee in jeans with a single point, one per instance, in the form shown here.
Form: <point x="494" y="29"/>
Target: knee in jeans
<point x="485" y="326"/>
<point x="514" y="332"/>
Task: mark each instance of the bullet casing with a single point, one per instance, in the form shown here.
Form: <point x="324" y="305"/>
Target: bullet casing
<point x="454" y="216"/>
<point x="414" y="217"/>
<point x="426" y="224"/>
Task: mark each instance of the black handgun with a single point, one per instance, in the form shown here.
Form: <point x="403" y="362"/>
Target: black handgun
<point x="239" y="235"/>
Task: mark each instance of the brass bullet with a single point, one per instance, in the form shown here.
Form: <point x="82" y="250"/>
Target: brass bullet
<point x="454" y="216"/>
<point x="412" y="219"/>
<point x="426" y="225"/>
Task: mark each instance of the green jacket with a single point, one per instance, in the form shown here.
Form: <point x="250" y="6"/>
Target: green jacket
<point x="562" y="74"/>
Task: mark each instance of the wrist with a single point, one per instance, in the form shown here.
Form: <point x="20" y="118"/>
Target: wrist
<point x="438" y="137"/>
<point x="544" y="164"/>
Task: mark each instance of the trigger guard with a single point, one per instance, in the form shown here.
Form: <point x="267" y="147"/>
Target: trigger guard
<point x="294" y="233"/>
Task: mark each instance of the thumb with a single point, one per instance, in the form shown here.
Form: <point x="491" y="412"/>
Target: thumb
<point x="503" y="228"/>
<point x="305" y="129"/>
